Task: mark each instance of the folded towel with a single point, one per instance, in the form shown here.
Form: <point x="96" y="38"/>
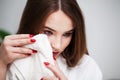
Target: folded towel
<point x="33" y="68"/>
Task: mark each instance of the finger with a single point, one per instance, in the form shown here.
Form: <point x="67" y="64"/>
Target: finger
<point x="21" y="50"/>
<point x="13" y="56"/>
<point x="49" y="78"/>
<point x="53" y="68"/>
<point x="57" y="72"/>
<point x="20" y="56"/>
<point x="55" y="62"/>
<point x="21" y="42"/>
<point x="19" y="36"/>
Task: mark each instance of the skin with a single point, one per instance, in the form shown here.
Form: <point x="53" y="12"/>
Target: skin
<point x="9" y="52"/>
<point x="58" y="28"/>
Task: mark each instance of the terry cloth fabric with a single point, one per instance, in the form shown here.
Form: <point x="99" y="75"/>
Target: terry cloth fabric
<point x="33" y="68"/>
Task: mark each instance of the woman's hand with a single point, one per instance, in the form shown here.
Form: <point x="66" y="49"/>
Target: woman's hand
<point x="59" y="75"/>
<point x="12" y="48"/>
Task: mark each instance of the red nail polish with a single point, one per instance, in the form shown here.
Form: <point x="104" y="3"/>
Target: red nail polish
<point x="31" y="35"/>
<point x="41" y="79"/>
<point x="28" y="54"/>
<point x="32" y="40"/>
<point x="46" y="63"/>
<point x="34" y="51"/>
<point x="54" y="57"/>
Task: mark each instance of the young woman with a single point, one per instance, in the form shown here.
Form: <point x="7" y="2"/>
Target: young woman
<point x="62" y="21"/>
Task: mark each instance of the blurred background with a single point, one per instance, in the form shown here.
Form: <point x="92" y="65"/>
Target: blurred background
<point x="102" y="19"/>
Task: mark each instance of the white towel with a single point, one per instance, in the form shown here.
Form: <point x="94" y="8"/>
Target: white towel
<point x="33" y="68"/>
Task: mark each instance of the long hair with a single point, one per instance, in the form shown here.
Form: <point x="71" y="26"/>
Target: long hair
<point x="36" y="13"/>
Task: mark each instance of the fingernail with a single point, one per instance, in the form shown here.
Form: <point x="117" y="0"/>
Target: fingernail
<point x="41" y="79"/>
<point x="46" y="63"/>
<point x="32" y="40"/>
<point x="31" y="35"/>
<point x="34" y="51"/>
<point x="54" y="57"/>
<point x="28" y="54"/>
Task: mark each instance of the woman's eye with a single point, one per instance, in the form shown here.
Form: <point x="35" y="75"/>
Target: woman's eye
<point x="67" y="34"/>
<point x="48" y="33"/>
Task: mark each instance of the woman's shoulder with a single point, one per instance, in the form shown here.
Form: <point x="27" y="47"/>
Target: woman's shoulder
<point x="87" y="61"/>
<point x="88" y="66"/>
<point x="86" y="69"/>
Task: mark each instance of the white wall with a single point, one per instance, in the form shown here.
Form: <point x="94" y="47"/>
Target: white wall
<point x="10" y="14"/>
<point x="103" y="29"/>
<point x="102" y="26"/>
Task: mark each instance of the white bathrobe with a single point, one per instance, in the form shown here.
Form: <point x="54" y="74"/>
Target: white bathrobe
<point x="86" y="69"/>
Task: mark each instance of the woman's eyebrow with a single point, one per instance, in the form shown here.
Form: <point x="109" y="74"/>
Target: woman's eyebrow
<point x="55" y="30"/>
<point x="49" y="28"/>
<point x="70" y="30"/>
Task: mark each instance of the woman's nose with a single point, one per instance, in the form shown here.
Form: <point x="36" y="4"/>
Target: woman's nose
<point x="56" y="44"/>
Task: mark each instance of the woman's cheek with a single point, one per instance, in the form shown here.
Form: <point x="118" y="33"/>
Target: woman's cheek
<point x="66" y="42"/>
<point x="50" y="39"/>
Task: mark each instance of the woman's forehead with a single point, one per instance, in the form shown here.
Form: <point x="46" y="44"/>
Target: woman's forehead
<point x="59" y="21"/>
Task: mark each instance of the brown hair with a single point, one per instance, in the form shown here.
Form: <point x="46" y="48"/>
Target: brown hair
<point x="37" y="11"/>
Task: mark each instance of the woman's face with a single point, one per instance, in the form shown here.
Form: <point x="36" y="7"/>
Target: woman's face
<point x="59" y="29"/>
